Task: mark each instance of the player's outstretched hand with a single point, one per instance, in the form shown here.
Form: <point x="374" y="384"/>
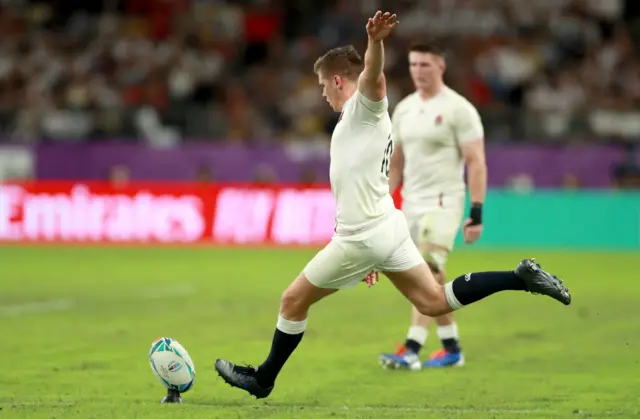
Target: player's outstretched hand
<point x="380" y="25"/>
<point x="471" y="232"/>
<point x="371" y="279"/>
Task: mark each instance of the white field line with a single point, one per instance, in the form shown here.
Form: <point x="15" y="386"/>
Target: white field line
<point x="36" y="307"/>
<point x="374" y="409"/>
<point x="415" y="409"/>
<point x="371" y="409"/>
<point x="442" y="409"/>
<point x="167" y="291"/>
<point x="48" y="306"/>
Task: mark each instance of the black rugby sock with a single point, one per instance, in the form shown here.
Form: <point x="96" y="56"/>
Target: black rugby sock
<point x="475" y="286"/>
<point x="451" y="345"/>
<point x="413" y="346"/>
<point x="282" y="347"/>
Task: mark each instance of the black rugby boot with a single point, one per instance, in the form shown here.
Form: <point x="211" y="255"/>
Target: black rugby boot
<point x="539" y="281"/>
<point x="244" y="378"/>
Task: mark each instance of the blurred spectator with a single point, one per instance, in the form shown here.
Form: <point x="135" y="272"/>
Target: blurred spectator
<point x="521" y="182"/>
<point x="626" y="174"/>
<point x="204" y="173"/>
<point x="571" y="181"/>
<point x="16" y="163"/>
<point x="264" y="174"/>
<point x="119" y="176"/>
<point x="627" y="177"/>
<point x="165" y="71"/>
<point x="309" y="177"/>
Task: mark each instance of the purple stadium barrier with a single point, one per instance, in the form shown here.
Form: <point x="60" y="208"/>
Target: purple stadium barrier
<point x="547" y="165"/>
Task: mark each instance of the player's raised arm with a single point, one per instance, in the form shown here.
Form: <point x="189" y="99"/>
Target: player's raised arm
<point x="372" y="82"/>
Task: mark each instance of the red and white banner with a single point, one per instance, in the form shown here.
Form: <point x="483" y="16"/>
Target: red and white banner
<point x="172" y="213"/>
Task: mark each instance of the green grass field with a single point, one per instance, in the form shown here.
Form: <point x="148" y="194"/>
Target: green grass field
<point x="77" y="324"/>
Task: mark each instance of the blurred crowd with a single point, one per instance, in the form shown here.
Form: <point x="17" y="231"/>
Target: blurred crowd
<point x="170" y="70"/>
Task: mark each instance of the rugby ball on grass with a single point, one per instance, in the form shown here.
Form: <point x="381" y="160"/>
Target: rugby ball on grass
<point x="172" y="364"/>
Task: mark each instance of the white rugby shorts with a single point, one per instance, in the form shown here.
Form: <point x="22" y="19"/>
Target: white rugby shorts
<point x="347" y="259"/>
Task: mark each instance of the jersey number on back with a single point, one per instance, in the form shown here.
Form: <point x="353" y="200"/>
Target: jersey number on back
<point x="386" y="159"/>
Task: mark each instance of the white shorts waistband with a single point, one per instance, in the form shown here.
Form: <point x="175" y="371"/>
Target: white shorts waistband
<point x="342" y="232"/>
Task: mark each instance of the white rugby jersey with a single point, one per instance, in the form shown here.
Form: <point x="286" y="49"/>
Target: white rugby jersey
<point x="361" y="147"/>
<point x="430" y="133"/>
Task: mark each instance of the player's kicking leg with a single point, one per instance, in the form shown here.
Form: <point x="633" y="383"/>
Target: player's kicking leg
<point x="419" y="286"/>
<point x="412" y="277"/>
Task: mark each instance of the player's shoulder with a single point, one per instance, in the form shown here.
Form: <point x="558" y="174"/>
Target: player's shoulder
<point x="455" y="99"/>
<point x="358" y="109"/>
<point x="405" y="104"/>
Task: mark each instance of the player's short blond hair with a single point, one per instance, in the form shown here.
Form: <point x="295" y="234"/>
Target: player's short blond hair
<point x="344" y="61"/>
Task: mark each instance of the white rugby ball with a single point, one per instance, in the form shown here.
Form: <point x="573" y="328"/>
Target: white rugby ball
<point x="172" y="364"/>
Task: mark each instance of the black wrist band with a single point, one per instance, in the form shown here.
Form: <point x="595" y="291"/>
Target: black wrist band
<point x="475" y="214"/>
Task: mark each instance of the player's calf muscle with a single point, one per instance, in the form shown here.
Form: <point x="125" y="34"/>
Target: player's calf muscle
<point x="420" y="287"/>
<point x="433" y="304"/>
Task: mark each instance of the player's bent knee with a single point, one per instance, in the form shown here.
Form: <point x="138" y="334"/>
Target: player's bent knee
<point x="292" y="307"/>
<point x="433" y="303"/>
<point x="292" y="302"/>
<point x="289" y="300"/>
<point x="426" y="310"/>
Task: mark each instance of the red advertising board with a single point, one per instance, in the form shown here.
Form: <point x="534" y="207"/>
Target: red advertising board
<point x="171" y="213"/>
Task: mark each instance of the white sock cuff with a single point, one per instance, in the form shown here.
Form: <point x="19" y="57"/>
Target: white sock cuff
<point x="290" y="327"/>
<point x="418" y="334"/>
<point x="452" y="300"/>
<point x="448" y="332"/>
